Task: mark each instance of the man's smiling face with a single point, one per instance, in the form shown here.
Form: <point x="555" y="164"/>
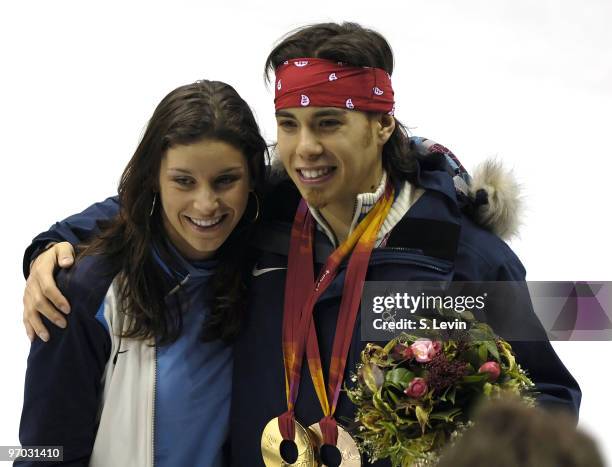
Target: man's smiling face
<point x="331" y="154"/>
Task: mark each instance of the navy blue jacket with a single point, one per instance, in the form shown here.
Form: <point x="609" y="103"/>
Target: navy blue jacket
<point x="435" y="241"/>
<point x="63" y="385"/>
<point x="435" y="232"/>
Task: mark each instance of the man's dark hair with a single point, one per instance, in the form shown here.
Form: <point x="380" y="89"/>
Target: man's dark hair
<point x="354" y="45"/>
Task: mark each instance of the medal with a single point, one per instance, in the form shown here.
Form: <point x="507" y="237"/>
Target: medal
<point x="349" y="452"/>
<point x="299" y="332"/>
<point x="271" y="440"/>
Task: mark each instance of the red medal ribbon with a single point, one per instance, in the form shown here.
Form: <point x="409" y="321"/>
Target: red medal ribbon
<point x="301" y="295"/>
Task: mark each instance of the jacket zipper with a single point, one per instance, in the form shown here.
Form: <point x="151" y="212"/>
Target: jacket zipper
<point x="153" y="418"/>
<point x="410" y="257"/>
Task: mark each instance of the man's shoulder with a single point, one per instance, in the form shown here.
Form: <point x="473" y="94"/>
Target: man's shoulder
<point x="484" y="249"/>
<point x="481" y="228"/>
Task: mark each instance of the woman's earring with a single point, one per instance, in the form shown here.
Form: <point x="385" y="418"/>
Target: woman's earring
<point x="153" y="204"/>
<point x="257" y="212"/>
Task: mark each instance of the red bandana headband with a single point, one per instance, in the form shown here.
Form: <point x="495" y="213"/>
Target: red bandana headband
<point x="315" y="82"/>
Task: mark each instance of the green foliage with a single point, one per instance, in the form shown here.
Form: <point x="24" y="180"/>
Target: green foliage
<point x="399" y="378"/>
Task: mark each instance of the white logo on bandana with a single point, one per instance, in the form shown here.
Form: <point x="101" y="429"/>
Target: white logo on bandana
<point x="333" y="77"/>
<point x="349" y="104"/>
<point x="378" y="91"/>
<point x="305" y="100"/>
<point x="279" y="85"/>
<point x="286" y="62"/>
<point x="301" y="63"/>
<point x="392" y="111"/>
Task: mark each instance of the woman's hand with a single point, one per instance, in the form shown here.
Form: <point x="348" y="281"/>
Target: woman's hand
<point x="41" y="295"/>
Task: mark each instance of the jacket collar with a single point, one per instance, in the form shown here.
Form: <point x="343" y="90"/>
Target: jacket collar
<point x="178" y="271"/>
<point x="432" y="225"/>
<point x="364" y="202"/>
<point x="431" y="175"/>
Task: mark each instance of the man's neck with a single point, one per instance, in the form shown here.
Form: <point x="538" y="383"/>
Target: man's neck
<point x="339" y="218"/>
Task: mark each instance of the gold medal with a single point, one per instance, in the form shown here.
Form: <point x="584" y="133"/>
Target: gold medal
<point x="271" y="440"/>
<point x="346" y="445"/>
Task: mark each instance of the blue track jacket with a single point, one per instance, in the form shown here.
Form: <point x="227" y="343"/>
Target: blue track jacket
<point x="110" y="400"/>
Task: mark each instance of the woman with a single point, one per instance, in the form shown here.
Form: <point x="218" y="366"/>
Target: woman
<point x="162" y="276"/>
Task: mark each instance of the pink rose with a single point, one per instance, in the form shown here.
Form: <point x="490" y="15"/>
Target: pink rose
<point x="417" y="388"/>
<point x="401" y="352"/>
<point x="424" y="350"/>
<point x="492" y="368"/>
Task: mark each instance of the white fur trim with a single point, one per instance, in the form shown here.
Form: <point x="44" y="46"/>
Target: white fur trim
<point x="502" y="213"/>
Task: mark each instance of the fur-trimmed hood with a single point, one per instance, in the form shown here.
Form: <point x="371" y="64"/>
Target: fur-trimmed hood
<point x="502" y="211"/>
<point x="494" y="195"/>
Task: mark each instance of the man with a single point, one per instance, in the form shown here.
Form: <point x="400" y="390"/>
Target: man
<point x="351" y="161"/>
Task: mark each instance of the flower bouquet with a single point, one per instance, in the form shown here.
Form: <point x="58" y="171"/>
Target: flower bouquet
<point x="416" y="394"/>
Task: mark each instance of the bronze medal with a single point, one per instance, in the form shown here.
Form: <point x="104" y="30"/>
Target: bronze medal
<point x="346" y="445"/>
<point x="271" y="440"/>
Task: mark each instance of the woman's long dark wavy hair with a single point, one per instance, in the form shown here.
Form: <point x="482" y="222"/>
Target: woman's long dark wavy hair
<point x="355" y="45"/>
<point x="189" y="114"/>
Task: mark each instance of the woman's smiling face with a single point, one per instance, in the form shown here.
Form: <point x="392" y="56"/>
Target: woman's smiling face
<point x="204" y="189"/>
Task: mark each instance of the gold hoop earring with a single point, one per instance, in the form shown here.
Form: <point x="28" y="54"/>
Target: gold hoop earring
<point x="257" y="203"/>
<point x="153" y="204"/>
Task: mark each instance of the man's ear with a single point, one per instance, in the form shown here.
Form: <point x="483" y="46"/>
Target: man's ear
<point x="385" y="127"/>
